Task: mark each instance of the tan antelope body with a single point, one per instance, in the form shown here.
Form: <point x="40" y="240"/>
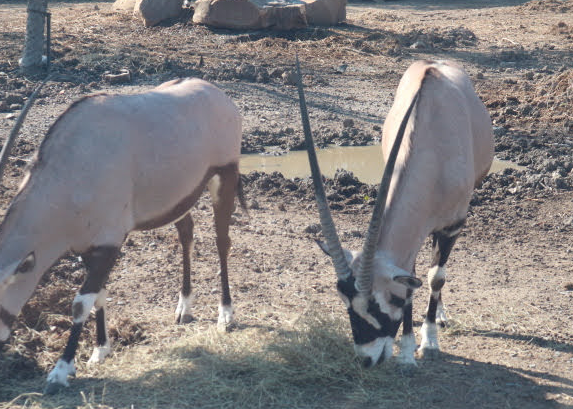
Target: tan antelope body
<point x="438" y="145"/>
<point x="112" y="164"/>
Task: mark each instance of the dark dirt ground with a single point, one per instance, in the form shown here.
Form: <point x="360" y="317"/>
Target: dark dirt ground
<point x="510" y="285"/>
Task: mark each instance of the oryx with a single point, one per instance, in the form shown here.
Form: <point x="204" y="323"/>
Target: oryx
<point x="438" y="145"/>
<point x="109" y="165"/>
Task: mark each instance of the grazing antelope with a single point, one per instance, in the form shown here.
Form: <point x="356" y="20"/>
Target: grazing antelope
<point x="109" y="165"/>
<point x="438" y="145"/>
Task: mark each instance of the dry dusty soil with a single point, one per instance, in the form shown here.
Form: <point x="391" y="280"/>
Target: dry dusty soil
<point x="509" y="293"/>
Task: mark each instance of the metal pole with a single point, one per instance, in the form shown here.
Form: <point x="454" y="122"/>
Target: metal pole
<point x="48" y="40"/>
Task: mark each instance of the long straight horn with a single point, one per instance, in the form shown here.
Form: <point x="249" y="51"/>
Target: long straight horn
<point x="328" y="228"/>
<point x="365" y="272"/>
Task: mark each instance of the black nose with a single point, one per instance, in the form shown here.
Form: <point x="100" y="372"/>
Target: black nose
<point x="367" y="362"/>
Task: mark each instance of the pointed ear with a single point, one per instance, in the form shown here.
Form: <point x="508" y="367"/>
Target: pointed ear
<point x="409" y="281"/>
<point x="27" y="264"/>
<point x="347" y="253"/>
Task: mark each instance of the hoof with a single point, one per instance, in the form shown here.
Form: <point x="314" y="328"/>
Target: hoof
<point x="52" y="388"/>
<point x="185" y="319"/>
<point x="442" y="323"/>
<point x="225" y="326"/>
<point x="430" y="354"/>
<point x="99" y="354"/>
<point x="407" y="370"/>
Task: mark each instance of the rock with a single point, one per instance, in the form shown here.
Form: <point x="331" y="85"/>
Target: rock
<point x="277" y="14"/>
<point x="123" y="5"/>
<point x="313" y="228"/>
<point x="419" y="45"/>
<point x="288" y="17"/>
<point x="348" y="123"/>
<point x="121" y="78"/>
<point x="325" y="12"/>
<point x="247" y="72"/>
<point x="499" y="130"/>
<point x="227" y="13"/>
<point x="154" y="12"/>
<point x="14" y="99"/>
<point x="290" y="77"/>
<point x="276" y="72"/>
<point x="341" y="69"/>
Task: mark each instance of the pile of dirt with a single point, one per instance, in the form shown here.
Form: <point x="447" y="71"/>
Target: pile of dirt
<point x="560" y="6"/>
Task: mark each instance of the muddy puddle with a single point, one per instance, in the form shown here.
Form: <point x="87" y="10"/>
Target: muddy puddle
<point x="364" y="161"/>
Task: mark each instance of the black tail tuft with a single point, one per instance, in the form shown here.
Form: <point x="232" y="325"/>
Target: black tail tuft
<point x="241" y="196"/>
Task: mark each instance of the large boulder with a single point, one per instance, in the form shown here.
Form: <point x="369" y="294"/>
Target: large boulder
<point x="239" y="14"/>
<point x="279" y="14"/>
<point x="325" y="12"/>
<point x="155" y="11"/>
<point x="287" y="17"/>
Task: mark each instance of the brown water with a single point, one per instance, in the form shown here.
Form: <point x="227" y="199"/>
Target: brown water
<point x="364" y="161"/>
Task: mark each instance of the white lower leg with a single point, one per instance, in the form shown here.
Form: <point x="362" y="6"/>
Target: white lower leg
<point x="184" y="307"/>
<point x="225" y="316"/>
<point x="429" y="334"/>
<point x="59" y="375"/>
<point x="407" y="349"/>
<point x="441" y="317"/>
<point x="100" y="353"/>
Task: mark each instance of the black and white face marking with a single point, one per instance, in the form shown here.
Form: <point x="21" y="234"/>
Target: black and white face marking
<point x="373" y="334"/>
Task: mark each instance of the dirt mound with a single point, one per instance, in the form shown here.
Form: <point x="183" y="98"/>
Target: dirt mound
<point x="562" y="28"/>
<point x="561" y="6"/>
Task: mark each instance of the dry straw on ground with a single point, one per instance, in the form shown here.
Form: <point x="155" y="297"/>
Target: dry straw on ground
<point x="310" y="365"/>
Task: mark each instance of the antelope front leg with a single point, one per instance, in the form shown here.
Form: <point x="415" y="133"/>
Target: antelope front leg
<point x="185" y="229"/>
<point x="99" y="262"/>
<point x="408" y="342"/>
<point x="443" y="242"/>
<point x="103" y="346"/>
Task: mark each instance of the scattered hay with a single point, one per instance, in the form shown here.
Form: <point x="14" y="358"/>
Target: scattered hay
<point x="309" y="365"/>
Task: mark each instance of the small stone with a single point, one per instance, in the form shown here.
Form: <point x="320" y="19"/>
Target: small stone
<point x="341" y="69"/>
<point x="348" y="123"/>
<point x="313" y="228"/>
<point x="14" y="99"/>
<point x="499" y="130"/>
<point x="276" y="72"/>
<point x="290" y="78"/>
<point x="419" y="45"/>
<point x="254" y="205"/>
<point x="121" y="78"/>
<point x="479" y="76"/>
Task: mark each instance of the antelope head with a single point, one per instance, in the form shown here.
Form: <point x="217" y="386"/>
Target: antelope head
<point x="373" y="289"/>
